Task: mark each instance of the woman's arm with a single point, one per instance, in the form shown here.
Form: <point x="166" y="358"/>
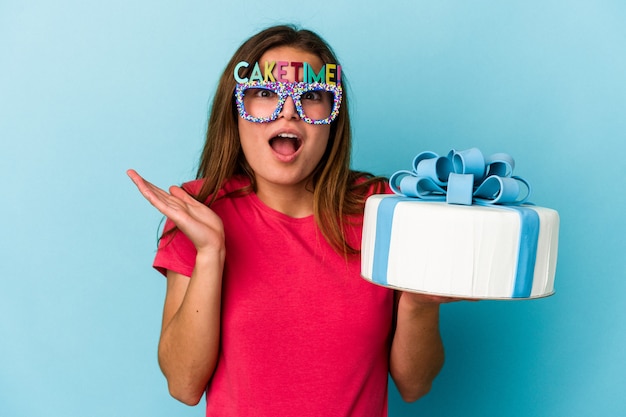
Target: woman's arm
<point x="189" y="343"/>
<point x="417" y="353"/>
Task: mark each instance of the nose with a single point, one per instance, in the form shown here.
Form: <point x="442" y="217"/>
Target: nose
<point x="289" y="110"/>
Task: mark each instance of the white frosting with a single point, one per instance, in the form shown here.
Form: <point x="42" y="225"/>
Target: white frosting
<point x="461" y="251"/>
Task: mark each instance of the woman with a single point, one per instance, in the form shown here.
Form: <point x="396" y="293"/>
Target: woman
<point x="265" y="310"/>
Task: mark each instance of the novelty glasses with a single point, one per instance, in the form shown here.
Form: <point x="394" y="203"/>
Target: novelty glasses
<point x="262" y="102"/>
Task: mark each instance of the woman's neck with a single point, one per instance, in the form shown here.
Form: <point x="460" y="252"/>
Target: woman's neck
<point x="292" y="200"/>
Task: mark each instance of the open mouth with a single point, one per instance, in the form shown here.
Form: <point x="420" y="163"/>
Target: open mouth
<point x="285" y="144"/>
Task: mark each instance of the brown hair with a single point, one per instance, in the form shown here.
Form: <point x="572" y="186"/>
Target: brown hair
<point x="338" y="192"/>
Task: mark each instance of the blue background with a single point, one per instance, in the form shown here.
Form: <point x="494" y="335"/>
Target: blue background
<point x="89" y="89"/>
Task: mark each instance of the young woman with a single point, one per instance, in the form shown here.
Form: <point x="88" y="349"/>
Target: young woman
<point x="265" y="310"/>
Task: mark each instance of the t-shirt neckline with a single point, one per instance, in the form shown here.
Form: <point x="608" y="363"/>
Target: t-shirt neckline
<point x="277" y="214"/>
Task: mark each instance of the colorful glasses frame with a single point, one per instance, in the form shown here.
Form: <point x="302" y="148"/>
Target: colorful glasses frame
<point x="295" y="90"/>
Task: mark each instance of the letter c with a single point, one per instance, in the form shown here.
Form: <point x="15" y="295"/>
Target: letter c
<point x="242" y="64"/>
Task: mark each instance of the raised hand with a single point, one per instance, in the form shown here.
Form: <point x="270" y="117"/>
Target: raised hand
<point x="197" y="221"/>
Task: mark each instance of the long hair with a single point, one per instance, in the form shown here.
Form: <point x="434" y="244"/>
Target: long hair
<point x="338" y="192"/>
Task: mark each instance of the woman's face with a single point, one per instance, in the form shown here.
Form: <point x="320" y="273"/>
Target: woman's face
<point x="284" y="152"/>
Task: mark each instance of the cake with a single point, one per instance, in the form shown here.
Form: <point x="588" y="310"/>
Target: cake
<point x="458" y="226"/>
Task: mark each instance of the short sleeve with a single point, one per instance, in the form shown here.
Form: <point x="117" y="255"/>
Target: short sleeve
<point x="175" y="252"/>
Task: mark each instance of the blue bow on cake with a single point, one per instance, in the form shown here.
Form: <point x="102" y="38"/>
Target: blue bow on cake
<point x="461" y="177"/>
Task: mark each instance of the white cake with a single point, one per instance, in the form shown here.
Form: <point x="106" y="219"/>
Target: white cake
<point x="468" y="251"/>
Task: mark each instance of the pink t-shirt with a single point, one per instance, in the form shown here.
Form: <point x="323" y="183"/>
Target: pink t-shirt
<point x="302" y="333"/>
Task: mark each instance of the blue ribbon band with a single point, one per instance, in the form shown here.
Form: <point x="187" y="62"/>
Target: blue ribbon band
<point x="384" y="224"/>
<point x="529" y="238"/>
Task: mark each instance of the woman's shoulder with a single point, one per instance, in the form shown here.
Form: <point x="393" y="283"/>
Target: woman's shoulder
<point x="231" y="185"/>
<point x="193" y="187"/>
<point x="364" y="182"/>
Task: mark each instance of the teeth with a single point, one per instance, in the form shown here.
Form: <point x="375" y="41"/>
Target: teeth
<point x="287" y="135"/>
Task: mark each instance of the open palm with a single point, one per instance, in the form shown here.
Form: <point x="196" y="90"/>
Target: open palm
<point x="197" y="221"/>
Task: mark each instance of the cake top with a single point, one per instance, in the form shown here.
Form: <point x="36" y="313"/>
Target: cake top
<point x="462" y="177"/>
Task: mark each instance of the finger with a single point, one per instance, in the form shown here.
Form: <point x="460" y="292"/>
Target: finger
<point x="139" y="181"/>
<point x="152" y="193"/>
<point x="184" y="196"/>
<point x="136" y="178"/>
<point x="197" y="210"/>
<point x="132" y="174"/>
<point x="160" y="199"/>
